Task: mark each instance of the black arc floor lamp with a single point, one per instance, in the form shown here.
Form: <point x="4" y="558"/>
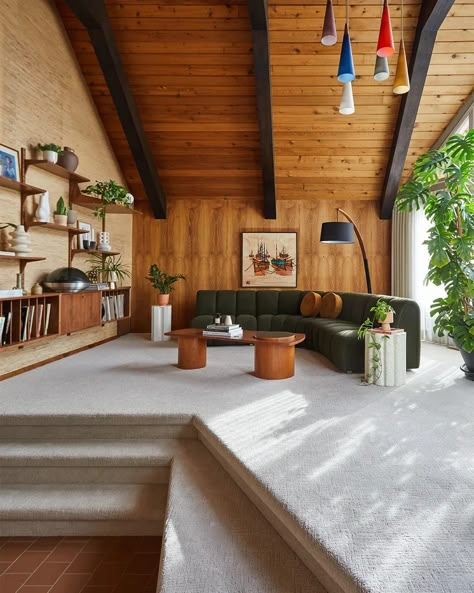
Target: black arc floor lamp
<point x="343" y="232"/>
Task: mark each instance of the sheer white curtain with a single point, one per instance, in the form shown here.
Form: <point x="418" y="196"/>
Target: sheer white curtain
<point x="410" y="265"/>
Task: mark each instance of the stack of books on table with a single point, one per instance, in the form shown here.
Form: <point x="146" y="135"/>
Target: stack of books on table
<point x="223" y="331"/>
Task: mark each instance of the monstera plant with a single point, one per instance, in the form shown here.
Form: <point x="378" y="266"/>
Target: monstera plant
<point x="442" y="186"/>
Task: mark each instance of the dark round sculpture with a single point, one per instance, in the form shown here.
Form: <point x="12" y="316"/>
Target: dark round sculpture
<point x="66" y="280"/>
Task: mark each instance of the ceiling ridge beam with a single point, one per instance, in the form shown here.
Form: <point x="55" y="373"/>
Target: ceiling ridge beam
<point x="432" y="15"/>
<point x="258" y="14"/>
<point x="93" y="15"/>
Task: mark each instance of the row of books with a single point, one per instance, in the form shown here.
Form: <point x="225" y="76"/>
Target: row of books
<point x="113" y="307"/>
<point x="223" y="331"/>
<point x="32" y="326"/>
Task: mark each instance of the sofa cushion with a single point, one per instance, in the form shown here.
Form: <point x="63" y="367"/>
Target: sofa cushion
<point x="331" y="305"/>
<point x="226" y="302"/>
<point x="285" y="323"/>
<point x="202" y="321"/>
<point x="206" y="302"/>
<point x="264" y="323"/>
<point x="289" y="302"/>
<point x="267" y="302"/>
<point x="310" y="304"/>
<point x="247" y="302"/>
<point x="247" y="321"/>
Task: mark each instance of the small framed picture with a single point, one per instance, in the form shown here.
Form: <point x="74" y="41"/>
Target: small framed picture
<point x="84" y="226"/>
<point x="269" y="259"/>
<point x="9" y="162"/>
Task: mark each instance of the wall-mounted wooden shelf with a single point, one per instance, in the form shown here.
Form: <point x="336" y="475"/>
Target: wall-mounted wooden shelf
<point x="55" y="169"/>
<point x="55" y="227"/>
<point x="91" y="203"/>
<point x="104" y="253"/>
<point x="22" y="259"/>
<point x="18" y="186"/>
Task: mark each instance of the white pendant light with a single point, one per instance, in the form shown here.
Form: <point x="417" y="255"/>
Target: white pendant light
<point x="381" y="70"/>
<point x="347" y="102"/>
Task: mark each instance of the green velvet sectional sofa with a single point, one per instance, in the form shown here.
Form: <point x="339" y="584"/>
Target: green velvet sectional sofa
<point x="336" y="339"/>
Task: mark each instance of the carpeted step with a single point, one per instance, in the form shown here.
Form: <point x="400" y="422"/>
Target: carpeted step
<point x="129" y="426"/>
<point x="78" y="509"/>
<point x="216" y="541"/>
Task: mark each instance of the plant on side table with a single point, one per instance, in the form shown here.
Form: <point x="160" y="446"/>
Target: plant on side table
<point x="382" y="313"/>
<point x="163" y="282"/>
<point x="50" y="152"/>
<point x="442" y="186"/>
<point x="110" y="269"/>
<point x="109" y="192"/>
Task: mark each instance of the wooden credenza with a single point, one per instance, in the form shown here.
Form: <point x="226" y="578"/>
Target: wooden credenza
<point x="80" y="310"/>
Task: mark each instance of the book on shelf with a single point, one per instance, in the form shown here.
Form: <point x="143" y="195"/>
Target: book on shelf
<point x="46" y="319"/>
<point x="25" y="311"/>
<point x="13" y="292"/>
<point x="30" y="321"/>
<point x="6" y="329"/>
<point x="97" y="286"/>
<point x="2" y="325"/>
<point x="8" y="253"/>
<point x="39" y="318"/>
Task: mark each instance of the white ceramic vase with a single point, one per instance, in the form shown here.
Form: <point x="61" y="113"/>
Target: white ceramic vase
<point x="20" y="242"/>
<point x="51" y="156"/>
<point x="43" y="211"/>
<point x="71" y="218"/>
<point x="104" y="241"/>
<point x="130" y="198"/>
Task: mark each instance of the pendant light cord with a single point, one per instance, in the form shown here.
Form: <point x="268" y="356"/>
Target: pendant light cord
<point x="347" y="13"/>
<point x="402" y="21"/>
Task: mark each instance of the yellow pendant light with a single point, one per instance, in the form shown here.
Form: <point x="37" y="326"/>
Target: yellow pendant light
<point x="401" y="84"/>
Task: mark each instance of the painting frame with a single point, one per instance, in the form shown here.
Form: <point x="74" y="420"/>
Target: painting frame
<point x="83" y="226"/>
<point x="12" y="170"/>
<point x="259" y="268"/>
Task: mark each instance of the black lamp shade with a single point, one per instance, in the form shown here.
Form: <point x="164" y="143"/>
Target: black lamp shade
<point x="337" y="232"/>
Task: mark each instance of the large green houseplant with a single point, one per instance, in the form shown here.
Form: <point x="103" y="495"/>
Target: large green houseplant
<point x="163" y="282"/>
<point x="442" y="186"/>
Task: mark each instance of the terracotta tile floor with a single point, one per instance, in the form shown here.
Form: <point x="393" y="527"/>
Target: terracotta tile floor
<point x="79" y="564"/>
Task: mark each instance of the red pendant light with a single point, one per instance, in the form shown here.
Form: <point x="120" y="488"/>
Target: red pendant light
<point x="385" y="46"/>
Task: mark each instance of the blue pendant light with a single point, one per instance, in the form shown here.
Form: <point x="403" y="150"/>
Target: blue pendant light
<point x="346" y="72"/>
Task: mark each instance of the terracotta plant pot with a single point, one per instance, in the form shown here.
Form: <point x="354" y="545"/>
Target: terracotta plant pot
<point x="387" y="321"/>
<point x="163" y="299"/>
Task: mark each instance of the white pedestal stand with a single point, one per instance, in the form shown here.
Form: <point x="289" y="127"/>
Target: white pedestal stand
<point x="160" y="323"/>
<point x="391" y="370"/>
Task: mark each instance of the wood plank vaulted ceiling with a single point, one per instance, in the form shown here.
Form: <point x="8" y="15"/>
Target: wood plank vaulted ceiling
<point x="190" y="67"/>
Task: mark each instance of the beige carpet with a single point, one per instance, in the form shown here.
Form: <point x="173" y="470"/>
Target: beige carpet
<point x="381" y="480"/>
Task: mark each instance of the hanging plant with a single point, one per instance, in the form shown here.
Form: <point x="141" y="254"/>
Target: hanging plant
<point x="109" y="192"/>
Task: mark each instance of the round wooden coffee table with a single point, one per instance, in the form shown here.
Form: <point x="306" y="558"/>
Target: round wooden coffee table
<point x="275" y="354"/>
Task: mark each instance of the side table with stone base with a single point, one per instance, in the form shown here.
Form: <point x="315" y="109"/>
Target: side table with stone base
<point x="160" y="322"/>
<point x="391" y="370"/>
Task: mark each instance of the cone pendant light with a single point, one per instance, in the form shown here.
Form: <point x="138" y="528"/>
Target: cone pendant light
<point x="346" y="72"/>
<point x="329" y="36"/>
<point x="401" y="84"/>
<point x="385" y="46"/>
<point x="347" y="102"/>
<point x="381" y="70"/>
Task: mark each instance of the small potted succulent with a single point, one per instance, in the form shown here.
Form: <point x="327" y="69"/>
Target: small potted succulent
<point x="163" y="282"/>
<point x="108" y="192"/>
<point x="60" y="214"/>
<point x="50" y="152"/>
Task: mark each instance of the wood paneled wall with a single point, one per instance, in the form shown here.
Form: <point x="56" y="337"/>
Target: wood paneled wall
<point x="45" y="99"/>
<point x="201" y="239"/>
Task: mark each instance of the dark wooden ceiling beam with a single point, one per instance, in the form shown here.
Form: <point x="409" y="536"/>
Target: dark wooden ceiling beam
<point x="432" y="15"/>
<point x="93" y="16"/>
<point x="258" y="14"/>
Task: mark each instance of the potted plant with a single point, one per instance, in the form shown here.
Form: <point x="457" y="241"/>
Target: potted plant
<point x="50" y="152"/>
<point x="442" y="186"/>
<point x="109" y="192"/>
<point x="382" y="313"/>
<point x="60" y="214"/>
<point x="110" y="269"/>
<point x="163" y="282"/>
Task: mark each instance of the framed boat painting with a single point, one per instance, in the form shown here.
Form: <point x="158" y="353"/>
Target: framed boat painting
<point x="269" y="260"/>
